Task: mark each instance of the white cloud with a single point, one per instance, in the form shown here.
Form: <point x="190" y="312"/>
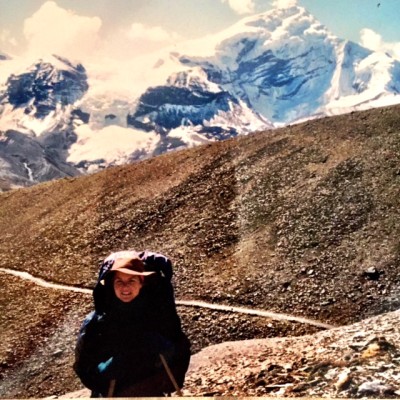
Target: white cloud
<point x="284" y="3"/>
<point x="7" y="42"/>
<point x="139" y="31"/>
<point x="6" y="38"/>
<point x="370" y="39"/>
<point x="145" y="39"/>
<point x="53" y="29"/>
<point x="136" y="40"/>
<point x="373" y="41"/>
<point x="241" y="6"/>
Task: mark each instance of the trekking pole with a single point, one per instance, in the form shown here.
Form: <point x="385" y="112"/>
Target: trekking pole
<point x="170" y="375"/>
<point x="111" y="388"/>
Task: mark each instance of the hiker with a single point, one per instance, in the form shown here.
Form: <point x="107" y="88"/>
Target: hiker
<point x="132" y="344"/>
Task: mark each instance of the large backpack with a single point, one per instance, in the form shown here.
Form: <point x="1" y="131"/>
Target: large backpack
<point x="158" y="291"/>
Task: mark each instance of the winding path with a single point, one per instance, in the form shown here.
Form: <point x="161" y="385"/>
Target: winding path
<point x="189" y="303"/>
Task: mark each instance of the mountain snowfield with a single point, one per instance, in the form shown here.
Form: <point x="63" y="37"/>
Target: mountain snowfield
<point x="268" y="70"/>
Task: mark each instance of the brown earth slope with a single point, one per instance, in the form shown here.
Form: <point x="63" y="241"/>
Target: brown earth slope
<point x="301" y="220"/>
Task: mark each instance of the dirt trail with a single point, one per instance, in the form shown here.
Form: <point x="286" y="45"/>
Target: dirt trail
<point x="43" y="283"/>
<point x="252" y="311"/>
<point x="189" y="303"/>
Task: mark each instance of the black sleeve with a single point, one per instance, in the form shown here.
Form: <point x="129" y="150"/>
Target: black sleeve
<point x="106" y="352"/>
<point x="89" y="352"/>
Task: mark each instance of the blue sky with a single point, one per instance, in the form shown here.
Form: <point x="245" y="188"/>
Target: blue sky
<point x="42" y="25"/>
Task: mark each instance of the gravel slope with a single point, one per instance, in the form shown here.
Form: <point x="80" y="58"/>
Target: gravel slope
<point x="301" y="220"/>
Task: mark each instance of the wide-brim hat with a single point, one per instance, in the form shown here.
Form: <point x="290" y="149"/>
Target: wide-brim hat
<point x="131" y="266"/>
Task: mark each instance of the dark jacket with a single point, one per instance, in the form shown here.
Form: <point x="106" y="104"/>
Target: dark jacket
<point x="123" y="341"/>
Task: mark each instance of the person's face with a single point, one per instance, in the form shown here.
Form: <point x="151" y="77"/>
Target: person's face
<point x="126" y="287"/>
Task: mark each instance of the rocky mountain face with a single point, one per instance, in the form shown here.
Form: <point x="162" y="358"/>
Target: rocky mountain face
<point x="190" y="99"/>
<point x="44" y="87"/>
<point x="268" y="70"/>
<point x="39" y="103"/>
<point x="25" y="161"/>
<point x="301" y="220"/>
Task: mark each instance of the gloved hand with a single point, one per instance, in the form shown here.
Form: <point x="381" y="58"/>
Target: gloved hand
<point x="105" y="368"/>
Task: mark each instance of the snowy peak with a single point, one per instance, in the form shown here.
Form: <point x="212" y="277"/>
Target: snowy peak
<point x="45" y="86"/>
<point x="284" y="23"/>
<point x="191" y="99"/>
<point x="278" y="63"/>
<point x="362" y="79"/>
<point x="42" y="97"/>
<point x="286" y="66"/>
<point x="269" y="29"/>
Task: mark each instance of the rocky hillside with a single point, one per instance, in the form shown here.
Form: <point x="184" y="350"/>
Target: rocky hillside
<point x="301" y="220"/>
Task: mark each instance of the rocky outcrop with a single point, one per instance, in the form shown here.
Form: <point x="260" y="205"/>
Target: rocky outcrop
<point x="360" y="360"/>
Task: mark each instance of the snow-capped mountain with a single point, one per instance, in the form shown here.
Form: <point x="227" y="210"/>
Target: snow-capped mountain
<point x="286" y="66"/>
<point x="37" y="122"/>
<point x="41" y="99"/>
<point x="190" y="99"/>
<point x="267" y="70"/>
